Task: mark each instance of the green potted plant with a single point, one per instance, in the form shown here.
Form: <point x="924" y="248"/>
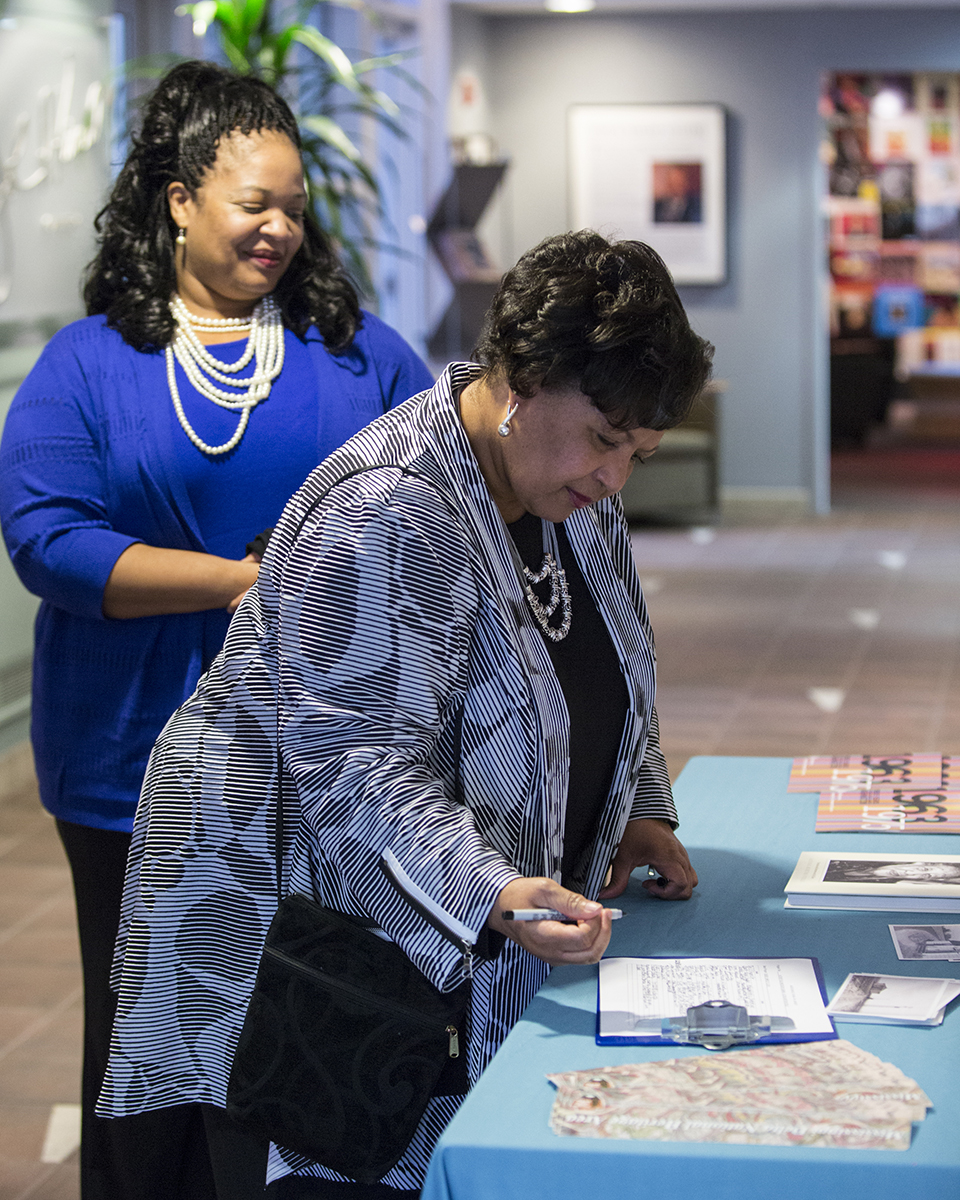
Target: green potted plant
<point x="325" y="87"/>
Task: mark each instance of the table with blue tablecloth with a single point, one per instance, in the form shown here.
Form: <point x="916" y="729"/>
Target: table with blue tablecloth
<point x="744" y="833"/>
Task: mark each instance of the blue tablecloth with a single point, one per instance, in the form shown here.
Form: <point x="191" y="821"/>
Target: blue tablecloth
<point x="744" y="833"/>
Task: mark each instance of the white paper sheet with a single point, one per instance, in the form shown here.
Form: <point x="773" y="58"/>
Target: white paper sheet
<point x="637" y="993"/>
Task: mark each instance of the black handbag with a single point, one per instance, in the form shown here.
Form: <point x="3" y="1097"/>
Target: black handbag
<point x="343" y="1043"/>
<point x="344" y="1039"/>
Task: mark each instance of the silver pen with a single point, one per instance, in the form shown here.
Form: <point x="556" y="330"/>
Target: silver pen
<point x="550" y="914"/>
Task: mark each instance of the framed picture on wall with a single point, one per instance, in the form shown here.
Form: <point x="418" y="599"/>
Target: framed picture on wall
<point x="655" y="173"/>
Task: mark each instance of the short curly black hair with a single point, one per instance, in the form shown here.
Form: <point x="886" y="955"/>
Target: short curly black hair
<point x="194" y="106"/>
<point x="604" y="317"/>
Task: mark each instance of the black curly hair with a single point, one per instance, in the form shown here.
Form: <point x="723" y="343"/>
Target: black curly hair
<point x="604" y="317"/>
<point x="132" y="278"/>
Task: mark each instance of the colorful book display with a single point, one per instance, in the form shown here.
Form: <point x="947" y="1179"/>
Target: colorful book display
<point x="893" y="148"/>
<point x="853" y="772"/>
<point x="890" y="810"/>
<point x="881" y="793"/>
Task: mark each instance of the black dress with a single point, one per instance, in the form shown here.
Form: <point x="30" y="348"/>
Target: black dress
<point x="593" y="687"/>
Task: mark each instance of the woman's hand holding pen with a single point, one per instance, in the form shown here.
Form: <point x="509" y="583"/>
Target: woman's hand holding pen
<point x="555" y="942"/>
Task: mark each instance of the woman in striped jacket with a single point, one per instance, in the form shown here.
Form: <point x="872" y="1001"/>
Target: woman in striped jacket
<point x="448" y="633"/>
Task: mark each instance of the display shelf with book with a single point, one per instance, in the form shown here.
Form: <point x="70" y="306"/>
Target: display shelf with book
<point x="892" y="144"/>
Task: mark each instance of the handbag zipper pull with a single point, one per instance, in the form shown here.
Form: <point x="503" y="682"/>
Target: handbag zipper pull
<point x="454" y="1040"/>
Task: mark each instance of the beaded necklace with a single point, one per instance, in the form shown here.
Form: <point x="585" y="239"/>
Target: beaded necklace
<point x="550" y="571"/>
<point x="265" y="345"/>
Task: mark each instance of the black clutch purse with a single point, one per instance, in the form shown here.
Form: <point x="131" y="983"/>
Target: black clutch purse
<point x="343" y="1043"/>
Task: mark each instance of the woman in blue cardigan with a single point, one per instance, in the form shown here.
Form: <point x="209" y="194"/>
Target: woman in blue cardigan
<point x="225" y="356"/>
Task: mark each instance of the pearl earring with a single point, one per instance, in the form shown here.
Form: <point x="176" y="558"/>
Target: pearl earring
<point x="181" y="237"/>
<point x="504" y="427"/>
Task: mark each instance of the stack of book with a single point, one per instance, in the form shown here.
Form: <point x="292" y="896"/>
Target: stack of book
<point x="879" y="793"/>
<point x="874" y="793"/>
<point x="879" y="881"/>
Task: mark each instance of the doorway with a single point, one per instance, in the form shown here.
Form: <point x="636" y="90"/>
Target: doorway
<point x="892" y="149"/>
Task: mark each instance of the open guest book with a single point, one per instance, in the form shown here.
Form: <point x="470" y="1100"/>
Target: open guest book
<point x="878" y="880"/>
<point x="710" y="1002"/>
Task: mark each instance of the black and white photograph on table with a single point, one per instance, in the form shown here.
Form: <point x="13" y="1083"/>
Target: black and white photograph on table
<point x="891" y="870"/>
<point x="930" y="943"/>
<point x="893" y="999"/>
<point x="655" y="173"/>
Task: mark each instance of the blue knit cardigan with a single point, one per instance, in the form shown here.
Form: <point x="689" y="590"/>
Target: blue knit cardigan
<point x="87" y="467"/>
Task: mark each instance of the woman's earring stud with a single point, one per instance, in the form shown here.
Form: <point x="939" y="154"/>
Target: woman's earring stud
<point x="181" y="237"/>
<point x="504" y="427"/>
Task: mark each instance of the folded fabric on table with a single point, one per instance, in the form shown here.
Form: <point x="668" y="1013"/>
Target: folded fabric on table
<point x="828" y="1094"/>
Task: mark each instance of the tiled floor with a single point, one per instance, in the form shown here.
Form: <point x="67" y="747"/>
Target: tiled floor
<point x="861" y="606"/>
<point x="858" y="610"/>
<point x="40" y="991"/>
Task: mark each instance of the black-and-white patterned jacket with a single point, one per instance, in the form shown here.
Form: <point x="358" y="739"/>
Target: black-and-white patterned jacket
<point x="425" y="746"/>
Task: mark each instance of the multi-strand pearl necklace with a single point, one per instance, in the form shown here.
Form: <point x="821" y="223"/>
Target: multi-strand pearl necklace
<point x="559" y="592"/>
<point x="265" y="345"/>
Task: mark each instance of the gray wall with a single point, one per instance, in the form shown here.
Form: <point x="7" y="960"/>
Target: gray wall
<point x="45" y="235"/>
<point x="51" y="52"/>
<point x="767" y="321"/>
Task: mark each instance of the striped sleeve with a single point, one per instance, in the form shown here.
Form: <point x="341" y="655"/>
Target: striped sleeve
<point x="654" y="796"/>
<point x="375" y="633"/>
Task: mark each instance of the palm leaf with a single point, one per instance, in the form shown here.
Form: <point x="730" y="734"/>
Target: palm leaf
<point x="324" y="88"/>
